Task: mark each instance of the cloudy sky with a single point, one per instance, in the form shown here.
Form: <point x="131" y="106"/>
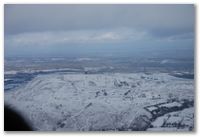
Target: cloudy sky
<point x="54" y="30"/>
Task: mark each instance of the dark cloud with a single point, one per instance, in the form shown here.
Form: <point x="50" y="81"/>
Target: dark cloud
<point x="160" y="19"/>
<point x="37" y="30"/>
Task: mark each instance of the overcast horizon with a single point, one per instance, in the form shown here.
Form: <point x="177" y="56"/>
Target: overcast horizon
<point x="80" y="30"/>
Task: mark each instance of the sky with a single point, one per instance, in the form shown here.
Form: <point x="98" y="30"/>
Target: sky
<point x="82" y="30"/>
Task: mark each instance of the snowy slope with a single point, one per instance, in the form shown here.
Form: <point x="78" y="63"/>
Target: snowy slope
<point x="134" y="101"/>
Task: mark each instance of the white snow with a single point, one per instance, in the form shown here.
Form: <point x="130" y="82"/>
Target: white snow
<point x="171" y="104"/>
<point x="184" y="119"/>
<point x="10" y="72"/>
<point x="71" y="102"/>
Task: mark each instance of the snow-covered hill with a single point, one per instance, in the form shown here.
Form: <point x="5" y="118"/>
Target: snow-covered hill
<point x="133" y="101"/>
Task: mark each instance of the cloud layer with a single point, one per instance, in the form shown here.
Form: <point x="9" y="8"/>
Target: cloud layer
<point x="77" y="37"/>
<point x="34" y="26"/>
<point x="158" y="18"/>
<point x="113" y="36"/>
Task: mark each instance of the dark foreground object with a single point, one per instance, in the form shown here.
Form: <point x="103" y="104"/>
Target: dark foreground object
<point x="14" y="122"/>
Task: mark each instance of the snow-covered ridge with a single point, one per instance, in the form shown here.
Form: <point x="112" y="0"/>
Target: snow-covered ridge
<point x="77" y="102"/>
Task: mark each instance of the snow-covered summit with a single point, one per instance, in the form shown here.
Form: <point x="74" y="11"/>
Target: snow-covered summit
<point x="131" y="101"/>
